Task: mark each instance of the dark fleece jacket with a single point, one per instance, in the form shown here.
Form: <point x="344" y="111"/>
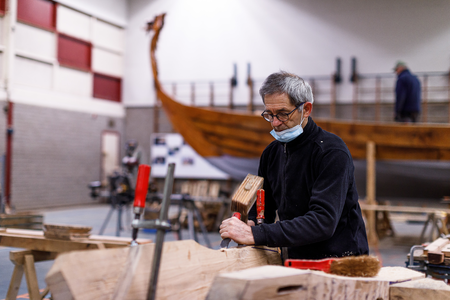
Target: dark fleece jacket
<point x="310" y="181"/>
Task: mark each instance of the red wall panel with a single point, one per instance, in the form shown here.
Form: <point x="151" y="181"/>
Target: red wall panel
<point x="74" y="53"/>
<point x="107" y="87"/>
<point x="2" y="7"/>
<point x="40" y="13"/>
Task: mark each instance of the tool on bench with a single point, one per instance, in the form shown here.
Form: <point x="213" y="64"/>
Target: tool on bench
<point x="352" y="266"/>
<point x="140" y="196"/>
<point x="161" y="225"/>
<point x="260" y="206"/>
<point x="243" y="200"/>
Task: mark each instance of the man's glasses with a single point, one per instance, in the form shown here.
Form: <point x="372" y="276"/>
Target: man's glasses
<point x="282" y="117"/>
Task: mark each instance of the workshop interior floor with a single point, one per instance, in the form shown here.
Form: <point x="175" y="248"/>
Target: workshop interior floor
<point x="391" y="251"/>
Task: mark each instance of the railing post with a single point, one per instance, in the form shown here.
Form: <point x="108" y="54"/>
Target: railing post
<point x="425" y="99"/>
<point x="230" y="104"/>
<point x="377" y="98"/>
<point x="333" y="98"/>
<point x="193" y="94"/>
<point x="355" y="101"/>
<point x="211" y="94"/>
<point x="174" y="89"/>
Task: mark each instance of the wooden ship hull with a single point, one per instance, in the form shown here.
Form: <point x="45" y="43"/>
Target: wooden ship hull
<point x="234" y="140"/>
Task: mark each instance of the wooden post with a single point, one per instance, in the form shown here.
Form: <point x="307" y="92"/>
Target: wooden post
<point x="370" y="192"/>
<point x="425" y="99"/>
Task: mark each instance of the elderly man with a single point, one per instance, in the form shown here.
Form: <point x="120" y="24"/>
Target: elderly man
<point x="407" y="94"/>
<point x="308" y="180"/>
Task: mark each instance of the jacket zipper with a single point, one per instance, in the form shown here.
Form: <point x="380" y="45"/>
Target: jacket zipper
<point x="284" y="174"/>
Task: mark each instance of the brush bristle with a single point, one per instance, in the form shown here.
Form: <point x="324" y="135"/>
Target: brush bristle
<point x="356" y="266"/>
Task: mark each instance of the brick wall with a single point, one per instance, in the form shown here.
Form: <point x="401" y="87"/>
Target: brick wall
<point x="56" y="153"/>
<point x="140" y="125"/>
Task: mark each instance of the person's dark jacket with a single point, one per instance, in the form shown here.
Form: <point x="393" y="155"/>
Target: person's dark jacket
<point x="408" y="93"/>
<point x="310" y="181"/>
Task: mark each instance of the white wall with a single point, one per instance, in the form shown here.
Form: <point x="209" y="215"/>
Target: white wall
<point x="202" y="39"/>
<point x="114" y="11"/>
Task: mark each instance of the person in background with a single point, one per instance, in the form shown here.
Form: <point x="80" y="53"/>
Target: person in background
<point x="407" y="94"/>
<point x="309" y="182"/>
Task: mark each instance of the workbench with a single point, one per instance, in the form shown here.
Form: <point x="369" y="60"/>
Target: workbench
<point x="39" y="248"/>
<point x="436" y="218"/>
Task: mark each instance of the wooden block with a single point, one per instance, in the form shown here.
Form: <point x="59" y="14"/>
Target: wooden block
<point x="21" y="220"/>
<point x="435" y="258"/>
<point x="398" y="274"/>
<point x="436" y="246"/>
<point x="446" y="250"/>
<point x="275" y="282"/>
<point x="426" y="288"/>
<point x="186" y="272"/>
<point x="66" y="232"/>
<point x="245" y="196"/>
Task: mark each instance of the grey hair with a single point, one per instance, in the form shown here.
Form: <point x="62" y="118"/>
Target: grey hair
<point x="287" y="83"/>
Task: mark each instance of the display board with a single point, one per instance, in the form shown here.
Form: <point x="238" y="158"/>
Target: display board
<point x="168" y="148"/>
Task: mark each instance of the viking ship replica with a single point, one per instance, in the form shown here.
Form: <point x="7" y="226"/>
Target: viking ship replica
<point x="234" y="140"/>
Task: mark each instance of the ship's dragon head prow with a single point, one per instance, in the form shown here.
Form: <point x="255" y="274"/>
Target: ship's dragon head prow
<point x="157" y="23"/>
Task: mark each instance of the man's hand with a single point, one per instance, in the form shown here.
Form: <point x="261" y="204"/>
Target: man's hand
<point x="237" y="230"/>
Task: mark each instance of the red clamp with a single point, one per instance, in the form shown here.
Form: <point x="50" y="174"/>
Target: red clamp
<point x="260" y="206"/>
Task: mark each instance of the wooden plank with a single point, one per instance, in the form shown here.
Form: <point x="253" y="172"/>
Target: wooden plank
<point x="398" y="274"/>
<point x="18" y="256"/>
<point x="186" y="272"/>
<point x="436" y="246"/>
<point x="66" y="232"/>
<point x="426" y="288"/>
<point x="275" y="282"/>
<point x="35" y="240"/>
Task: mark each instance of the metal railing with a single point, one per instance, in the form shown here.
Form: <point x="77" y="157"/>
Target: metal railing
<point x="373" y="95"/>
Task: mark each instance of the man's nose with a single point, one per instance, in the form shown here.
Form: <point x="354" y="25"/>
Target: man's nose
<point x="276" y="122"/>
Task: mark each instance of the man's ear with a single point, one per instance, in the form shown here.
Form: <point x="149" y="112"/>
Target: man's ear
<point x="307" y="109"/>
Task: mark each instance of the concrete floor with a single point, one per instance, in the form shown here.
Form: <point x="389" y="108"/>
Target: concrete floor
<point x="391" y="251"/>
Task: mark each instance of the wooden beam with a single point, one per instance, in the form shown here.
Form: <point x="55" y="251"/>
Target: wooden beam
<point x="35" y="240"/>
<point x="276" y="282"/>
<point x="186" y="272"/>
<point x="426" y="288"/>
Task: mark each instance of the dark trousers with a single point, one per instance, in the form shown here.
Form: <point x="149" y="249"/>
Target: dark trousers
<point x="406" y="117"/>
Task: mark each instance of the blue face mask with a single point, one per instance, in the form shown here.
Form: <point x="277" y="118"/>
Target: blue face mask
<point x="289" y="134"/>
